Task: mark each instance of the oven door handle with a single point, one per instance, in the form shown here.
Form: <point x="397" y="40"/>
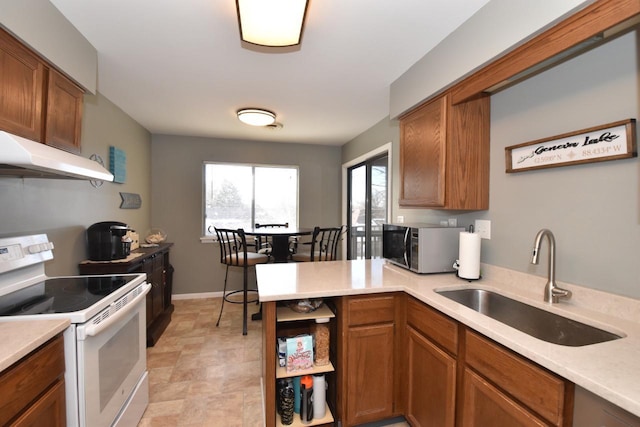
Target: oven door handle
<point x="93" y="329"/>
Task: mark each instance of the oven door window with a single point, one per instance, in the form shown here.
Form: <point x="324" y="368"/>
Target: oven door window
<point x="111" y="364"/>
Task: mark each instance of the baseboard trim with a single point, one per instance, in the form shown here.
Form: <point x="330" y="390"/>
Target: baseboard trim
<point x="196" y="295"/>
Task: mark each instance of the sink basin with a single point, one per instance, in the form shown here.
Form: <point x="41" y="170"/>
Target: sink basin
<point x="538" y="323"/>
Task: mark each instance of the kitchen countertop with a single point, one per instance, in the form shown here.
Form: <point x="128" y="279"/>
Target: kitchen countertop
<point x="610" y="370"/>
<point x="20" y="338"/>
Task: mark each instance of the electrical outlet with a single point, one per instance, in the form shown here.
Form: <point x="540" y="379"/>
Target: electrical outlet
<point x="400" y="219"/>
<point x="453" y="222"/>
<point x="483" y="228"/>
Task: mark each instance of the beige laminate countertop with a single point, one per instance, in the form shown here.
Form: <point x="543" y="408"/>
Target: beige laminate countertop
<point x="610" y="370"/>
<point x="20" y="338"/>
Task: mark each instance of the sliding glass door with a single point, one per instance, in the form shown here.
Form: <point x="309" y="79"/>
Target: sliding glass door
<point x="367" y="207"/>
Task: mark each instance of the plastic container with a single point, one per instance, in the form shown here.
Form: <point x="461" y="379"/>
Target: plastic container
<point x="306" y="399"/>
<point x="286" y="402"/>
<point x="296" y="391"/>
<point x="322" y="338"/>
<point x="319" y="396"/>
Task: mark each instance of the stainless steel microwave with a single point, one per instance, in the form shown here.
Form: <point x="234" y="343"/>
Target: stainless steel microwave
<point x="421" y="248"/>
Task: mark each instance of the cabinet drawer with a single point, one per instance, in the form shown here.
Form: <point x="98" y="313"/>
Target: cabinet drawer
<point x="49" y="410"/>
<point x="433" y="324"/>
<point x="371" y="309"/>
<point x="538" y="389"/>
<point x="23" y="382"/>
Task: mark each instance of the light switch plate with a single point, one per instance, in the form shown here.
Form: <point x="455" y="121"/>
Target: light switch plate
<point x="483" y="228"/>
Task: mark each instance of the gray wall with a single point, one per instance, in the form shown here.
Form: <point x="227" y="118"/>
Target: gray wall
<point x="177" y="175"/>
<point x="40" y="25"/>
<point x="498" y="27"/>
<point x="592" y="209"/>
<point x="65" y="208"/>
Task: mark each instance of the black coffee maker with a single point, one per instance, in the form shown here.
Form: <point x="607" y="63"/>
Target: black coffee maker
<point x="107" y="241"/>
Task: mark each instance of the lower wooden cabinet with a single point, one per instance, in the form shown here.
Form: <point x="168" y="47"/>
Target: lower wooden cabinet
<point x="431" y="383"/>
<point x="485" y="405"/>
<point x="457" y="377"/>
<point x="369" y="373"/>
<point x="499" y="384"/>
<point x="397" y="356"/>
<point x="49" y="410"/>
<point x="432" y="346"/>
<point x="32" y="390"/>
<point x="369" y="351"/>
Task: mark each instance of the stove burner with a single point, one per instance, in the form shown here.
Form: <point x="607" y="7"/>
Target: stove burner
<point x="61" y="295"/>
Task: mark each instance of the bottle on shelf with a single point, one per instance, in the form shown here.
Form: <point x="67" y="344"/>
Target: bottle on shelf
<point x="296" y="391"/>
<point x="319" y="395"/>
<point x="306" y="399"/>
<point x="286" y="404"/>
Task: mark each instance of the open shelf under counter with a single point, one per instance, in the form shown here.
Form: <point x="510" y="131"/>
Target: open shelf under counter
<point x="281" y="372"/>
<point x="285" y="314"/>
<point x="327" y="419"/>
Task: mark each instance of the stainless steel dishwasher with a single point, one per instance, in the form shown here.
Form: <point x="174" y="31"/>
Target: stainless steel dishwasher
<point x="592" y="411"/>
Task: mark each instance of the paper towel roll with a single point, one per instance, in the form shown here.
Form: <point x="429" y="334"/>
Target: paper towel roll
<point x="469" y="256"/>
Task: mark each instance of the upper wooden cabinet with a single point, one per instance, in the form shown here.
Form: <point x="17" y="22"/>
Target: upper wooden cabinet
<point x="22" y="78"/>
<point x="36" y="101"/>
<point x="444" y="155"/>
<point x="64" y="113"/>
<point x="423" y="144"/>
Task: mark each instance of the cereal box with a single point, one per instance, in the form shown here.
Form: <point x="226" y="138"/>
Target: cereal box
<point x="299" y="353"/>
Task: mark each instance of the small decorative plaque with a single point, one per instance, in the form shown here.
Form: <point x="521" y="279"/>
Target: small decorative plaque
<point x="598" y="144"/>
<point x="130" y="201"/>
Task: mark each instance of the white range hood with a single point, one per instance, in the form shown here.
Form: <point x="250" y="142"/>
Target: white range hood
<point x="23" y="157"/>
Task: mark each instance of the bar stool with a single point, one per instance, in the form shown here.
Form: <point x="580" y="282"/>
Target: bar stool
<point x="324" y="245"/>
<point x="233" y="253"/>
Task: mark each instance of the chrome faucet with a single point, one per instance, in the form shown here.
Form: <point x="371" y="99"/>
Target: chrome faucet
<point x="552" y="293"/>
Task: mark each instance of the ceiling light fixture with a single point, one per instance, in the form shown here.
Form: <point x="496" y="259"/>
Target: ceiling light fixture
<point x="256" y="117"/>
<point x="274" y="23"/>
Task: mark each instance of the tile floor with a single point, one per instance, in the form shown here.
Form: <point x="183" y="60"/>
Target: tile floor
<point x="200" y="375"/>
<point x="203" y="376"/>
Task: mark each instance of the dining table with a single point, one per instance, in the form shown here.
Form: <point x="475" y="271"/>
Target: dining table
<point x="279" y="237"/>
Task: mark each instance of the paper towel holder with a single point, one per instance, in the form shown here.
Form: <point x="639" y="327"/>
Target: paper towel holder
<point x="468" y="280"/>
<point x="456" y="265"/>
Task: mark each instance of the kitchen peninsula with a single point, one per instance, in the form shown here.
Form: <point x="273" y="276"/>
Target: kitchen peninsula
<point x="383" y="296"/>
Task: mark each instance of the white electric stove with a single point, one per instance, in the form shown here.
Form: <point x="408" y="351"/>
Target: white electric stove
<point x="105" y="345"/>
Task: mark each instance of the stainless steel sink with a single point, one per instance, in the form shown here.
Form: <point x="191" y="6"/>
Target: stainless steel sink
<point x="538" y="323"/>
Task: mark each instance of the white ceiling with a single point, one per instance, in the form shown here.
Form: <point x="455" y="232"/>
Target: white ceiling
<point x="178" y="66"/>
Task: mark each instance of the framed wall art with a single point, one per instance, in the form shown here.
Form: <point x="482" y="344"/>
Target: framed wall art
<point x="612" y="141"/>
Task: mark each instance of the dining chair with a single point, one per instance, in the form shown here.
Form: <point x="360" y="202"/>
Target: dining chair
<point x="234" y="253"/>
<point x="263" y="244"/>
<point x="324" y="245"/>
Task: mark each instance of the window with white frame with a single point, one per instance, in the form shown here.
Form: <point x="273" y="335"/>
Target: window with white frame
<point x="240" y="195"/>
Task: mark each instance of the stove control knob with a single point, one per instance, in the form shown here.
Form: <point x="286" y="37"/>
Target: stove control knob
<point x="40" y="247"/>
<point x="33" y="249"/>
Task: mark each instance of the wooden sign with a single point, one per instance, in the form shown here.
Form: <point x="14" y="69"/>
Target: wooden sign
<point x="598" y="144"/>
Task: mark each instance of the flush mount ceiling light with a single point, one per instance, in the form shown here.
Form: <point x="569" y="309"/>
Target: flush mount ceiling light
<point x="275" y="23"/>
<point x="256" y="117"/>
